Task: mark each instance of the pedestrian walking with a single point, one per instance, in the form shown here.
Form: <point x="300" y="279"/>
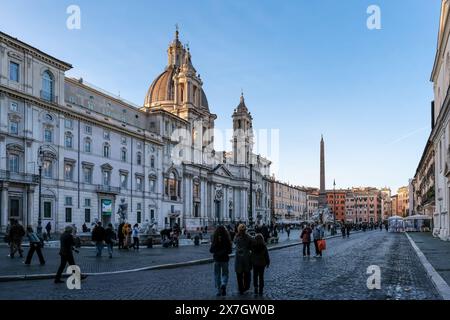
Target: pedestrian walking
<point x="306" y="240"/>
<point x="84" y="228"/>
<point x="16" y="234"/>
<point x="67" y="243"/>
<point x="343" y="231"/>
<point x="318" y="234"/>
<point x="221" y="247"/>
<point x="35" y="246"/>
<point x="381" y="227"/>
<point x="98" y="236"/>
<point x="288" y="230"/>
<point x="127" y="235"/>
<point x="135" y="235"/>
<point x="48" y="228"/>
<point x="260" y="261"/>
<point x="7" y="232"/>
<point x="110" y="238"/>
<point x="120" y="235"/>
<point x="242" y="262"/>
<point x="348" y="228"/>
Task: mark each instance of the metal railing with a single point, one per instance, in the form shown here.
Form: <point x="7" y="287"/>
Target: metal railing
<point x="108" y="189"/>
<point x="21" y="177"/>
<point x="48" y="96"/>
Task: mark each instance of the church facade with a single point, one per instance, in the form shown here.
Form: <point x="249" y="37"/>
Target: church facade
<point x="96" y="152"/>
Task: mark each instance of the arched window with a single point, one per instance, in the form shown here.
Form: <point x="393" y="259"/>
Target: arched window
<point x="123" y="154"/>
<point x="87" y="145"/>
<point x="47" y="86"/>
<point x="47" y="169"/>
<point x="172" y="186"/>
<point x="106" y="150"/>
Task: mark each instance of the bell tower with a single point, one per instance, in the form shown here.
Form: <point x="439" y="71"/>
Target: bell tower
<point x="175" y="52"/>
<point x="242" y="133"/>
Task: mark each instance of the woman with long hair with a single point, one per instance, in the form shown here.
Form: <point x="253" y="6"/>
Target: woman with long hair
<point x="260" y="261"/>
<point x="221" y="248"/>
<point x="243" y="264"/>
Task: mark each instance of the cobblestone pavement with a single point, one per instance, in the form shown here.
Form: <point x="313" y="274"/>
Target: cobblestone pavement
<point x="122" y="259"/>
<point x="340" y="274"/>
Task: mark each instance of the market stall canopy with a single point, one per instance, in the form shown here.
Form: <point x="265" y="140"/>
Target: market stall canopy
<point x="417" y="217"/>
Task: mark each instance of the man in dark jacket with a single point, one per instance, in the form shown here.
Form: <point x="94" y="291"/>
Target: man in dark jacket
<point x="48" y="228"/>
<point x="67" y="243"/>
<point x="120" y="235"/>
<point x="265" y="232"/>
<point x="221" y="247"/>
<point x="98" y="236"/>
<point x="110" y="238"/>
<point x="16" y="234"/>
<point x="305" y="236"/>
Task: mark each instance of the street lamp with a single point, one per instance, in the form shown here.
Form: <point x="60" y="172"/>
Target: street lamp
<point x="40" y="163"/>
<point x="250" y="214"/>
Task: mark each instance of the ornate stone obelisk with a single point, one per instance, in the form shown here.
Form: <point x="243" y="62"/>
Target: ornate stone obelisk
<point x="322" y="192"/>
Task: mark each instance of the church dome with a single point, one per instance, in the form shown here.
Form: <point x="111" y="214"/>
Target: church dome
<point x="162" y="89"/>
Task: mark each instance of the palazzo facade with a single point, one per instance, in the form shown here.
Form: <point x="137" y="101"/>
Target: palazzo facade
<point x="96" y="151"/>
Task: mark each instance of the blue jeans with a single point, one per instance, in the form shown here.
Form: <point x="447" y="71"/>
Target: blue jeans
<point x="99" y="248"/>
<point x="221" y="273"/>
<point x="110" y="248"/>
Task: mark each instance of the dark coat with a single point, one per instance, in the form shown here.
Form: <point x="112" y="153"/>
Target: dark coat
<point x="306" y="235"/>
<point x="67" y="242"/>
<point x="120" y="233"/>
<point x="244" y="244"/>
<point x="110" y="235"/>
<point x="16" y="232"/>
<point x="260" y="256"/>
<point x="265" y="232"/>
<point x="221" y="251"/>
<point x="98" y="234"/>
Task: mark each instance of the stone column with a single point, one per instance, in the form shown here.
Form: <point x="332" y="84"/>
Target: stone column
<point x="4" y="206"/>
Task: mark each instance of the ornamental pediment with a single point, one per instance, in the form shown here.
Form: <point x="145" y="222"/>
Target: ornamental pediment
<point x="14" y="55"/>
<point x="222" y="171"/>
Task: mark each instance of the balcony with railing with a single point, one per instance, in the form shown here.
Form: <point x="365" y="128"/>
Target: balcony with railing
<point x="48" y="96"/>
<point x="18" y="177"/>
<point x="107" y="189"/>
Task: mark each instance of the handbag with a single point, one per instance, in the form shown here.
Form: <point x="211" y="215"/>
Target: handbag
<point x="322" y="244"/>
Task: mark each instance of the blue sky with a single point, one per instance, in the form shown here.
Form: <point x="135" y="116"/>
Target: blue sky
<point x="306" y="67"/>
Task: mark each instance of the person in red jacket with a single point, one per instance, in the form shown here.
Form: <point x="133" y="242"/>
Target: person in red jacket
<point x="306" y="240"/>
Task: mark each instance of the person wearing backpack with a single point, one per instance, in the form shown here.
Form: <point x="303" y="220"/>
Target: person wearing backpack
<point x="260" y="261"/>
<point x="221" y="248"/>
<point x="35" y="245"/>
<point x="306" y="240"/>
